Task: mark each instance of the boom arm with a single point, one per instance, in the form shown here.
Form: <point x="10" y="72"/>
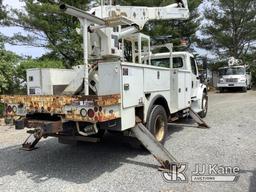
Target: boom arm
<point x="141" y="15"/>
<point x="110" y="16"/>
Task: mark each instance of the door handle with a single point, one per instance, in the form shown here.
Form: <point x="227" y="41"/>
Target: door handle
<point x="126" y="87"/>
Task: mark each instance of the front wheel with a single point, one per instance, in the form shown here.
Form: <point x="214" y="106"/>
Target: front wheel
<point x="204" y="111"/>
<point x="157" y="123"/>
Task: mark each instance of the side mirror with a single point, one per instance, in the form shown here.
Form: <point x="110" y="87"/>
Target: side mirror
<point x="201" y="78"/>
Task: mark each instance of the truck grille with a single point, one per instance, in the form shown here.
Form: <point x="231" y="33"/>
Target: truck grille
<point x="232" y="80"/>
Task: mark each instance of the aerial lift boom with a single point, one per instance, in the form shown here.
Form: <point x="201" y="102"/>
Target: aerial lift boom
<point x="108" y="16"/>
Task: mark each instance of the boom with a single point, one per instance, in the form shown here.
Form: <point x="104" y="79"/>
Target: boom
<point x="129" y="15"/>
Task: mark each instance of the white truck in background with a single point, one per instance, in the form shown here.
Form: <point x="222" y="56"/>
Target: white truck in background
<point x="108" y="92"/>
<point x="234" y="76"/>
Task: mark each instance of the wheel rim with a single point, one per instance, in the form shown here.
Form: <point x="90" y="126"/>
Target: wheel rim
<point x="159" y="128"/>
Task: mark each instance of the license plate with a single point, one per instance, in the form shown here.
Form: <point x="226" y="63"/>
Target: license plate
<point x="231" y="85"/>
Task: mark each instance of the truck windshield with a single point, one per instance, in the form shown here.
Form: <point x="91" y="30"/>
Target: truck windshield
<point x="165" y="62"/>
<point x="232" y="71"/>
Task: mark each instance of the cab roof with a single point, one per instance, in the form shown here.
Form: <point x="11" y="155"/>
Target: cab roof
<point x="166" y="54"/>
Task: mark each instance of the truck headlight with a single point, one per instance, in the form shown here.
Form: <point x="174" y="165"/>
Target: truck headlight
<point x="242" y="80"/>
<point x="221" y="80"/>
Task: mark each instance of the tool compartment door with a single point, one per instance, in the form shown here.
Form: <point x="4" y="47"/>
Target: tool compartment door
<point x="132" y="85"/>
<point x="180" y="89"/>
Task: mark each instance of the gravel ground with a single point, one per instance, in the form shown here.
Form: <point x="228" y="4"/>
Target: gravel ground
<point x="111" y="166"/>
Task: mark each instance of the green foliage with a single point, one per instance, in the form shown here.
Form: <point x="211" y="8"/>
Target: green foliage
<point x="8" y="80"/>
<point x="230" y="27"/>
<point x="34" y="63"/>
<point x="2" y="22"/>
<point x="1" y="109"/>
<point x="2" y="11"/>
<point x="250" y="60"/>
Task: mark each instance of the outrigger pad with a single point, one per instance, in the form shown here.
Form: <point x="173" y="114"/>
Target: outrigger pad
<point x="201" y="123"/>
<point x="30" y="143"/>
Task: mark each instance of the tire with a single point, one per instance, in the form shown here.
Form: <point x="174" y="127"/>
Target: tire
<point x="221" y="90"/>
<point x="157" y="123"/>
<point x="244" y="89"/>
<point x="204" y="111"/>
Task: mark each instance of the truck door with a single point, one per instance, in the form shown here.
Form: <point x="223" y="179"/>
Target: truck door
<point x="194" y="78"/>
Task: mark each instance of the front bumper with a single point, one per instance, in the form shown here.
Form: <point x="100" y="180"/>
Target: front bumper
<point x="227" y="85"/>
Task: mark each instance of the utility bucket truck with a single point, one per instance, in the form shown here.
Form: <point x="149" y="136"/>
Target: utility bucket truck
<point x="235" y="75"/>
<point x="108" y="92"/>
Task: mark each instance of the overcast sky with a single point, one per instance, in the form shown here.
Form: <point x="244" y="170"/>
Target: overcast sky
<point x="20" y="50"/>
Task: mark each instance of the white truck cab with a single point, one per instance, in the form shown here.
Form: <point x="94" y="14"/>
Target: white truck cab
<point x="234" y="77"/>
<point x="185" y="80"/>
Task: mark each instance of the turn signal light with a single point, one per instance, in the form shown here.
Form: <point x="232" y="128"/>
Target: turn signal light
<point x="9" y="109"/>
<point x="91" y="113"/>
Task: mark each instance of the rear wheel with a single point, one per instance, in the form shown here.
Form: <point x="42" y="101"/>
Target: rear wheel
<point x="157" y="123"/>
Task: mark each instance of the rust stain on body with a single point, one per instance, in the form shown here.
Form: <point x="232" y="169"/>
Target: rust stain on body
<point x="68" y="106"/>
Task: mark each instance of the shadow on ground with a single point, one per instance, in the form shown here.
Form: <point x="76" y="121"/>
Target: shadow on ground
<point x="252" y="186"/>
<point x="74" y="163"/>
<point x="80" y="163"/>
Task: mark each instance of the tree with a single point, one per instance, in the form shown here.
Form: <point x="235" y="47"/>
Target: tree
<point x="230" y="27"/>
<point x="3" y="16"/>
<point x="8" y="60"/>
<point x="35" y="63"/>
<point x="2" y="11"/>
<point x="50" y="28"/>
<point x="8" y="81"/>
<point x="250" y="60"/>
